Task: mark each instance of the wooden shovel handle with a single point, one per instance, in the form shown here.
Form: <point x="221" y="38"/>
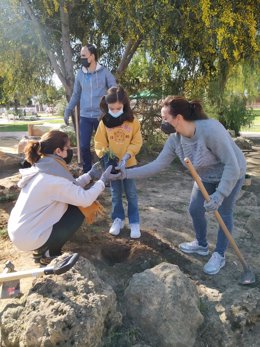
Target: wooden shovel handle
<point x="216" y="213"/>
<point x="77" y="133"/>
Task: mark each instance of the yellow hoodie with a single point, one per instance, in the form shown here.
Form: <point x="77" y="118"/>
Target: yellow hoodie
<point x="126" y="138"/>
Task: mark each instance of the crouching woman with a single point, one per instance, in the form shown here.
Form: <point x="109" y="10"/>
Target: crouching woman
<point x="52" y="204"/>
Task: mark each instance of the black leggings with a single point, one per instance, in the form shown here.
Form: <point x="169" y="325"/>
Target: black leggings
<point x="63" y="230"/>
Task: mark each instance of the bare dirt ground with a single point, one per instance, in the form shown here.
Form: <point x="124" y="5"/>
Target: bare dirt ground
<point x="165" y="222"/>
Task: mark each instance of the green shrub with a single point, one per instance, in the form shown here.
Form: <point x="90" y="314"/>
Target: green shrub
<point x="71" y="133"/>
<point x="235" y="114"/>
<point x="60" y="107"/>
<point x="148" y="111"/>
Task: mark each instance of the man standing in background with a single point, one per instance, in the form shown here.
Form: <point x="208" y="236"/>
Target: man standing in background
<point x="92" y="82"/>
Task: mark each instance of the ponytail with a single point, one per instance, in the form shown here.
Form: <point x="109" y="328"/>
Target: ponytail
<point x="189" y="110"/>
<point x="32" y="152"/>
<point x="197" y="111"/>
<point x="49" y="142"/>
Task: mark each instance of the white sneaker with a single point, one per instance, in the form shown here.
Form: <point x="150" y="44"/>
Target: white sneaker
<point x="215" y="263"/>
<point x="116" y="227"/>
<point x="135" y="231"/>
<point x="193" y="247"/>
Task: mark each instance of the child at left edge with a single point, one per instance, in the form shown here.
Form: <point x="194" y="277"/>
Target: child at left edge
<point x="120" y="132"/>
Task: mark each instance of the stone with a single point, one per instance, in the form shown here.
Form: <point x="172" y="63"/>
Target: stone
<point x="73" y="309"/>
<point x="164" y="303"/>
<point x="243" y="143"/>
<point x="8" y="161"/>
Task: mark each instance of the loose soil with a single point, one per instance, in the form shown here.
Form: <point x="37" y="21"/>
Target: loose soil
<point x="165" y="222"/>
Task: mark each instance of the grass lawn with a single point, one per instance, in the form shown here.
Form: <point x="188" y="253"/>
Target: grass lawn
<point x="255" y="127"/>
<point x="13" y="127"/>
<point x="23" y="126"/>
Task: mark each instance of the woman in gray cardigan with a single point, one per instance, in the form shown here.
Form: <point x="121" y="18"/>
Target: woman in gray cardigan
<point x="219" y="162"/>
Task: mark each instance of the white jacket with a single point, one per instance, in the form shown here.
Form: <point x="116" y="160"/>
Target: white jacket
<point x="42" y="202"/>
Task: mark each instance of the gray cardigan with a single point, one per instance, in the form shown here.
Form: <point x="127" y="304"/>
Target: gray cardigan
<point x="211" y="150"/>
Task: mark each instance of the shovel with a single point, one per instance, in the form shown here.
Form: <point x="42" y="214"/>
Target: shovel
<point x="247" y="277"/>
<point x="77" y="134"/>
<point x="11" y="280"/>
<point x="10" y="289"/>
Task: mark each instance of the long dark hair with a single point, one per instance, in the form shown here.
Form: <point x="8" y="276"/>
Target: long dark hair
<point x="48" y="143"/>
<point x="190" y="111"/>
<point x="113" y="95"/>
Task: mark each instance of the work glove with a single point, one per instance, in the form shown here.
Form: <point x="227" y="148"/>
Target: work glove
<point x="215" y="201"/>
<point x="107" y="176"/>
<point x="122" y="164"/>
<point x="66" y="117"/>
<point x="96" y="171"/>
<point x="123" y="172"/>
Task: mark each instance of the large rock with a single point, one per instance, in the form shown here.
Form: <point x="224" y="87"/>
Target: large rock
<point x="245" y="310"/>
<point x="8" y="188"/>
<point x="243" y="143"/>
<point x="9" y="161"/>
<point x="244" y="317"/>
<point x="163" y="303"/>
<point x="73" y="309"/>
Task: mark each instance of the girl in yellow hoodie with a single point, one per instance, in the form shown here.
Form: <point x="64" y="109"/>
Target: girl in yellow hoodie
<point x="119" y="131"/>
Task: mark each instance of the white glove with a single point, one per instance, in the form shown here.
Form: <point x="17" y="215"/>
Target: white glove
<point x="215" y="201"/>
<point x="107" y="176"/>
<point x="123" y="161"/>
<point x="122" y="166"/>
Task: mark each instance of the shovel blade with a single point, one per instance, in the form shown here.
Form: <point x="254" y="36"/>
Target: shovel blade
<point x="10" y="289"/>
<point x="247" y="277"/>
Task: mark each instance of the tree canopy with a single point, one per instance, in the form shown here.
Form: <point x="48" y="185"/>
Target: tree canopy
<point x="187" y="47"/>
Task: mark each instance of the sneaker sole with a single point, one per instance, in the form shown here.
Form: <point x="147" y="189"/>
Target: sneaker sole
<point x="135" y="236"/>
<point x="215" y="272"/>
<point x="114" y="234"/>
<point x="203" y="253"/>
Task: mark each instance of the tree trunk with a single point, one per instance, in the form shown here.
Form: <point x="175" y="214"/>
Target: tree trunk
<point x="67" y="51"/>
<point x="128" y="55"/>
<point x="61" y="64"/>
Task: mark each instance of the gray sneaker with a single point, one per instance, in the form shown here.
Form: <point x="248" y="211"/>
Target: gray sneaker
<point x="193" y="247"/>
<point x="215" y="263"/>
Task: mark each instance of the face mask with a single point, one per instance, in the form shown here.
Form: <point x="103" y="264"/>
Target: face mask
<point x="69" y="156"/>
<point x="167" y="128"/>
<point x="85" y="62"/>
<point x="116" y="114"/>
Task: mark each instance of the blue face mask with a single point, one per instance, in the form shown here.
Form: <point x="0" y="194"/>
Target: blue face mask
<point x="116" y="114"/>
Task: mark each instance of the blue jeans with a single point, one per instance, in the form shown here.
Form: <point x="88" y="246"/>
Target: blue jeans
<point x="87" y="126"/>
<point x="197" y="213"/>
<point x="117" y="200"/>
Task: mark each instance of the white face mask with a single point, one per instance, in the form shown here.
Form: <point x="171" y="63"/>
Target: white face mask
<point x="116" y="114"/>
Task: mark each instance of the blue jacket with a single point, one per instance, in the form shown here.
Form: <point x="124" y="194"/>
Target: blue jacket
<point x="89" y="87"/>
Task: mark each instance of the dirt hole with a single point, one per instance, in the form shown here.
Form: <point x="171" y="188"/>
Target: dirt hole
<point x="115" y="253"/>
